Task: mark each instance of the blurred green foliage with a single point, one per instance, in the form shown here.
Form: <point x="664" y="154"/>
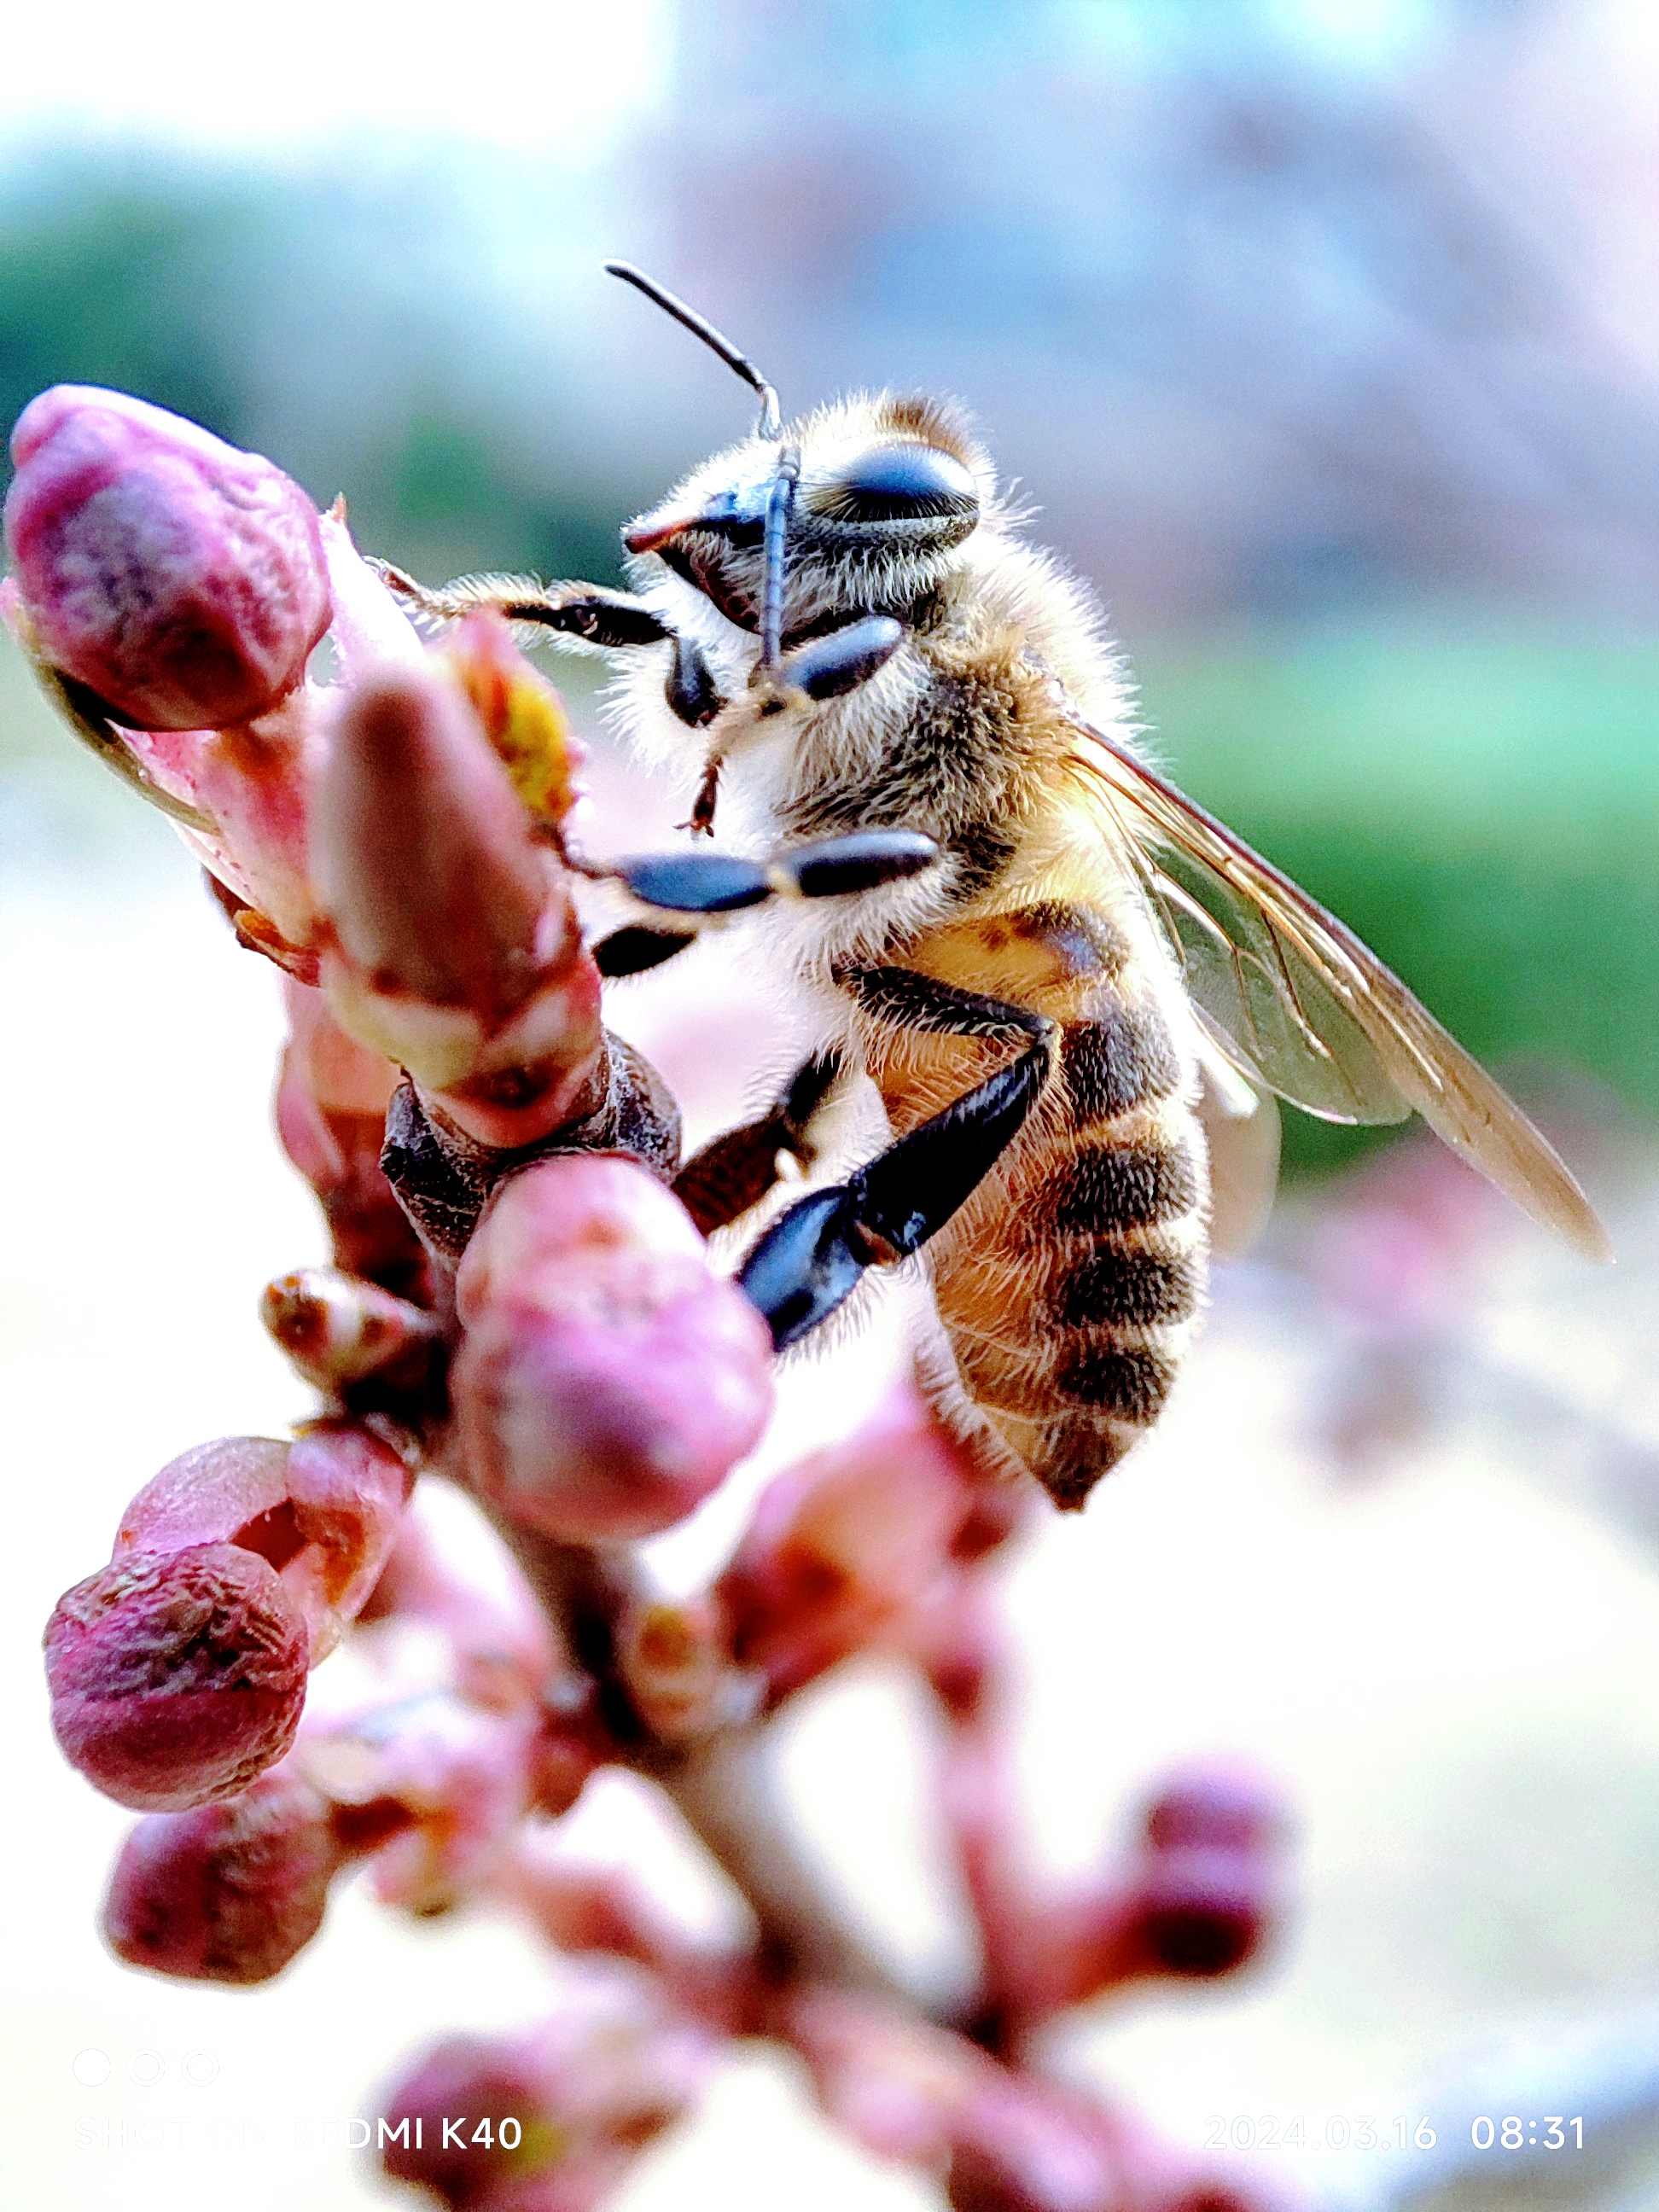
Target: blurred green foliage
<point x="265" y="313"/>
<point x="148" y="291"/>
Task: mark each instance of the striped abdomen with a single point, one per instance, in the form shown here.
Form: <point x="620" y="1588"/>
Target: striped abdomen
<point x="1069" y="1283"/>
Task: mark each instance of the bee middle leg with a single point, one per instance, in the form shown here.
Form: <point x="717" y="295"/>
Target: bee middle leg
<point x="812" y="1258"/>
<point x="735" y="1171"/>
<point x="703" y="886"/>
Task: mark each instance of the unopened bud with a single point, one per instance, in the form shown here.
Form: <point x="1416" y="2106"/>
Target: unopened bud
<point x="843" y="1546"/>
<point x="231" y="1490"/>
<point x="674" y="1658"/>
<point x="608" y="1379"/>
<point x="1209" y="1890"/>
<point x="1229" y="1806"/>
<point x="347" y="1487"/>
<point x="228" y="1892"/>
<point x="459" y="955"/>
<point x="179" y="580"/>
<point x="337" y="1329"/>
<point x="1200" y="1913"/>
<point x="464" y="1778"/>
<point x="323" y="1511"/>
<point x="331" y="1102"/>
<point x="587" y="2091"/>
<point x="177" y="1679"/>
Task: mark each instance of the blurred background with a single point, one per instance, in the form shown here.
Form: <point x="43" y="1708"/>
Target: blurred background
<point x="1323" y="337"/>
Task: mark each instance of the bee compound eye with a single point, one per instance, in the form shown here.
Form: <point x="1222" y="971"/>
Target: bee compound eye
<point x="903" y="482"/>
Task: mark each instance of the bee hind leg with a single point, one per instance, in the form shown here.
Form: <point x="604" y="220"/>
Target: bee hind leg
<point x="812" y="1258"/>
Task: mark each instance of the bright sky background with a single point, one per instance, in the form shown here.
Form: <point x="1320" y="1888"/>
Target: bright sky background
<point x="551" y="78"/>
<point x="555" y="80"/>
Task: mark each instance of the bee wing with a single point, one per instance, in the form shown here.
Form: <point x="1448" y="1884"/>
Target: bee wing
<point x="1300" y="1004"/>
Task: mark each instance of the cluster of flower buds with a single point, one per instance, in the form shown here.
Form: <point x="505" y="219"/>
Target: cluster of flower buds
<point x="177" y="1672"/>
<point x="518" y="1302"/>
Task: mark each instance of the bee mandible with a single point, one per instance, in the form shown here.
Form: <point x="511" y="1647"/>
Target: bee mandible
<point x="1029" y="941"/>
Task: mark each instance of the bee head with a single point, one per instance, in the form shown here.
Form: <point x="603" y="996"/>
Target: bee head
<point x="876" y="492"/>
<point x="856" y="510"/>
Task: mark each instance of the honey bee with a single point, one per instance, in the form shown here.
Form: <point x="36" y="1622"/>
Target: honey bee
<point x="908" y="721"/>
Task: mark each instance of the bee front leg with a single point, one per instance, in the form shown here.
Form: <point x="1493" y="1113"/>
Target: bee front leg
<point x="582" y="614"/>
<point x="810" y="1259"/>
<point x="825" y="668"/>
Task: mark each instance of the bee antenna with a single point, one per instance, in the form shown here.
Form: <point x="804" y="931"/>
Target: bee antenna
<point x="700" y="327"/>
<point x="780" y="507"/>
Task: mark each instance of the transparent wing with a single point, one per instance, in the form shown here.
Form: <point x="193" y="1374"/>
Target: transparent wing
<point x="1300" y="1004"/>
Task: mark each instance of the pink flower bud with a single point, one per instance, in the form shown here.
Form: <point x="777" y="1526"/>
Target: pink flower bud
<point x="228" y="1892"/>
<point x="176" y="1680"/>
<point x="323" y="1511"/>
<point x="347" y="1489"/>
<point x="458" y="952"/>
<point x="845" y="1545"/>
<point x="464" y="1778"/>
<point x="1200" y="1913"/>
<point x="1202" y="1898"/>
<point x="331" y="1099"/>
<point x="181" y="581"/>
<point x="588" y="2092"/>
<point x="608" y="1379"/>
<point x="1228" y="1807"/>
<point x="1209" y="1890"/>
<point x="230" y="1491"/>
<point x="675" y="1661"/>
<point x="1024" y="2145"/>
<point x="337" y="1329"/>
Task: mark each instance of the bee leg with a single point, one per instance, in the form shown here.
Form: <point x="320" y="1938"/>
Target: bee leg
<point x="632" y="951"/>
<point x="583" y="614"/>
<point x="706" y="883"/>
<point x="736" y="1171"/>
<point x="718" y="882"/>
<point x="692" y="691"/>
<point x="586" y="614"/>
<point x="812" y="1258"/>
<point x="830" y="666"/>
